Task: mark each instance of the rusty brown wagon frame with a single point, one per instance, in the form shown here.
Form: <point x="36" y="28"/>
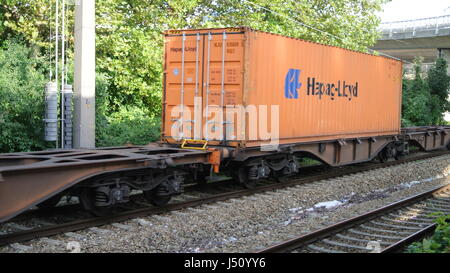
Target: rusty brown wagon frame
<point x="27" y="179"/>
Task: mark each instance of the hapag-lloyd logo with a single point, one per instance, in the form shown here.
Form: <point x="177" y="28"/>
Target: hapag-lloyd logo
<point x="291" y="84"/>
<point x="336" y="90"/>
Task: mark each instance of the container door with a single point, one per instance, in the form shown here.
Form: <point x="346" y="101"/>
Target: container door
<point x="222" y="93"/>
<point x="203" y="85"/>
<point x="183" y="101"/>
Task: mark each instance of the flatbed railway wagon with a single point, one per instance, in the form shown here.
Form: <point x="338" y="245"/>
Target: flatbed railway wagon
<point x="246" y="103"/>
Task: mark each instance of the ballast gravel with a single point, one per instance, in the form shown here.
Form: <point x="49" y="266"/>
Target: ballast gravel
<point x="254" y="222"/>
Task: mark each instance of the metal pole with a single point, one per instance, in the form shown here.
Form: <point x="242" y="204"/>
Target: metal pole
<point x="56" y="48"/>
<point x="67" y="46"/>
<point x="63" y="38"/>
<point x="50" y="48"/>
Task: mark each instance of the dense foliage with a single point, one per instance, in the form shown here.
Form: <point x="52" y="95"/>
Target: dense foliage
<point x="439" y="84"/>
<point x="424" y="99"/>
<point x="439" y="242"/>
<point x="21" y="98"/>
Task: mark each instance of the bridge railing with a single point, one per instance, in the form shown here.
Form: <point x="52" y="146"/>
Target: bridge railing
<point x="432" y="23"/>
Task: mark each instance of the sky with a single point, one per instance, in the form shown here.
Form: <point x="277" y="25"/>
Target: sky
<point x="399" y="10"/>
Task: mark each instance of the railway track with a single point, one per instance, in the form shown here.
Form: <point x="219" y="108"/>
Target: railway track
<point x="387" y="229"/>
<point x="20" y="233"/>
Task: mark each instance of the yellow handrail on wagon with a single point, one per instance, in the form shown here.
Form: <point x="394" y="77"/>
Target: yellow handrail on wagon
<point x="194" y="141"/>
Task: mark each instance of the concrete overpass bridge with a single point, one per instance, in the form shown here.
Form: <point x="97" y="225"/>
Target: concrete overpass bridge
<point x="427" y="37"/>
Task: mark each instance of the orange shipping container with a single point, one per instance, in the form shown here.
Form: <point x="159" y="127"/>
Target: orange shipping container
<point x="295" y="90"/>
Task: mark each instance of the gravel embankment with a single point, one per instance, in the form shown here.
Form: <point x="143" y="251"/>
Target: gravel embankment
<point x="250" y="223"/>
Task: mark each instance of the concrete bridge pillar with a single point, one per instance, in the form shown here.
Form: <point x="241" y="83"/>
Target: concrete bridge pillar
<point x="445" y="53"/>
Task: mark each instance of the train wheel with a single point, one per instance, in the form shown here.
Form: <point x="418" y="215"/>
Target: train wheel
<point x="388" y="152"/>
<point x="382" y="157"/>
<point x="201" y="180"/>
<point x="156" y="198"/>
<point x="399" y="156"/>
<point x="241" y="176"/>
<point x="87" y="201"/>
<point x="281" y="178"/>
<point x="49" y="203"/>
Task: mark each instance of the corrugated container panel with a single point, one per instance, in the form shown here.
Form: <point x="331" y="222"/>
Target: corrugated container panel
<point x="260" y="68"/>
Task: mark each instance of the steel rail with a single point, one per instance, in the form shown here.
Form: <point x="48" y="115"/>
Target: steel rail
<point x="304" y="240"/>
<point x="76" y="225"/>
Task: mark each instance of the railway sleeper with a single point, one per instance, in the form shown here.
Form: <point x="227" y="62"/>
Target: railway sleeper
<point x="404" y="221"/>
<point x="386" y="237"/>
<point x="343" y="245"/>
<point x="362" y="241"/>
<point x="315" y="248"/>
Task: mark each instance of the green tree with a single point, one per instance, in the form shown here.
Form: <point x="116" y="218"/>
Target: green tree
<point x="424" y="101"/>
<point x="129" y="125"/>
<point x="30" y="20"/>
<point x="21" y="99"/>
<point x="439" y="83"/>
<point x="415" y="99"/>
